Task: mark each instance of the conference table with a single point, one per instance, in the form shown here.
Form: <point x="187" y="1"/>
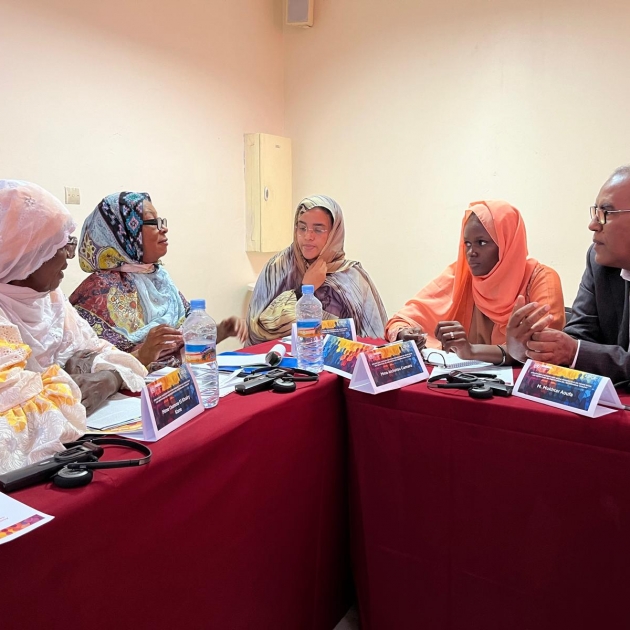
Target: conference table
<point x="495" y="514"/>
<point x="240" y="521"/>
<point x="458" y="514"/>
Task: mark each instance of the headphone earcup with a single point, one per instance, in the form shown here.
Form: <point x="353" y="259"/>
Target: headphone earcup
<point x="482" y="392"/>
<point x="282" y="386"/>
<point x="67" y="478"/>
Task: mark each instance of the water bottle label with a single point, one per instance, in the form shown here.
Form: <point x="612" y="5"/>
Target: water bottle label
<point x="200" y="353"/>
<point x="309" y="328"/>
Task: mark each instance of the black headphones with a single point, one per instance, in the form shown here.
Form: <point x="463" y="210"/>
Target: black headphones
<point x="77" y="474"/>
<point x="480" y="386"/>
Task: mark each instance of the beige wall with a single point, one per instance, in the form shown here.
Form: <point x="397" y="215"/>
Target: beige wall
<point x="403" y="110"/>
<point x="150" y="96"/>
<point x="406" y="110"/>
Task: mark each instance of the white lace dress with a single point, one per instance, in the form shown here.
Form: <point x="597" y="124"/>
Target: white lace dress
<point x="40" y="405"/>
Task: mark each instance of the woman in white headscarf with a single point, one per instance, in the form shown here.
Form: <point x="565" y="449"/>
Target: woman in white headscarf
<point x="315" y="257"/>
<point x="53" y="368"/>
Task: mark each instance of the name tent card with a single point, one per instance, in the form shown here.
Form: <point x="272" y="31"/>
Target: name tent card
<point x="383" y="368"/>
<point x="340" y="328"/>
<point x="344" y="328"/>
<point x="340" y="355"/>
<point x="580" y="392"/>
<point x="168" y="402"/>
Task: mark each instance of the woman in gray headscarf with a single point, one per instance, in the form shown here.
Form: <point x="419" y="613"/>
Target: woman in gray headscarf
<point x="315" y="257"/>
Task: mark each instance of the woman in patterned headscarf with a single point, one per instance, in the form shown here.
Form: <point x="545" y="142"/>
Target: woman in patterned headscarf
<point x="53" y="368"/>
<point x="129" y="298"/>
<point x="315" y="257"/>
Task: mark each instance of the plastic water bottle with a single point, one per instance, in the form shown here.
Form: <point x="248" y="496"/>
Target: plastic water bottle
<point x="200" y="345"/>
<point x="309" y="331"/>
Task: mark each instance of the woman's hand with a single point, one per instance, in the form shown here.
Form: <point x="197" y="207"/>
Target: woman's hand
<point x="454" y="339"/>
<point x="161" y="340"/>
<point x="97" y="388"/>
<point x="415" y="334"/>
<point x="232" y="327"/>
<point x="80" y="362"/>
<point x="316" y="274"/>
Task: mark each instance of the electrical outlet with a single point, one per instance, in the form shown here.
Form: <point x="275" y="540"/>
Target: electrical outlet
<point x="73" y="195"/>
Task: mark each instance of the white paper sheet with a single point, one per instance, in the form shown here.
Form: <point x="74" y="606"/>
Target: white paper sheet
<point x="240" y="360"/>
<point x="450" y="360"/>
<point x="119" y="409"/>
<point x="227" y="382"/>
<point x="17" y="519"/>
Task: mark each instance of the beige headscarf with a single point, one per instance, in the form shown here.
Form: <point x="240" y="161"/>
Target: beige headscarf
<point x="347" y="287"/>
<point x="332" y="252"/>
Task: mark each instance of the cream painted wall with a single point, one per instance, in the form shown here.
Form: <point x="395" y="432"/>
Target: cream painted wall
<point x="150" y="96"/>
<point x="406" y="110"/>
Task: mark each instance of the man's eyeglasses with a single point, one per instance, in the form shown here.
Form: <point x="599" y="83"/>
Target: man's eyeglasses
<point x="159" y="223"/>
<point x="303" y="230"/>
<point x="71" y="246"/>
<point x="600" y="214"/>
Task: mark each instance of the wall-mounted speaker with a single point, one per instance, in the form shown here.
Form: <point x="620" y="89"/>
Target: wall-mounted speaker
<point x="299" y="12"/>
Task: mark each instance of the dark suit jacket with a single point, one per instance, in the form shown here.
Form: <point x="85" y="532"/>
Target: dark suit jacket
<point x="600" y="320"/>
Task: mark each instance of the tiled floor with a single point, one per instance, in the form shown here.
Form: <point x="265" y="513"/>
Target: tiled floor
<point x="350" y="621"/>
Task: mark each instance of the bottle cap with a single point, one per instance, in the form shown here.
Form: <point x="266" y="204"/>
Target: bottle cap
<point x="307" y="288"/>
<point x="195" y="304"/>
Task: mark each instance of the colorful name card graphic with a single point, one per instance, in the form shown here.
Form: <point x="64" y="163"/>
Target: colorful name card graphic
<point x="340" y="328"/>
<point x="340" y="355"/>
<point x="383" y="368"/>
<point x="587" y="394"/>
<point x="168" y="402"/>
<point x="337" y="327"/>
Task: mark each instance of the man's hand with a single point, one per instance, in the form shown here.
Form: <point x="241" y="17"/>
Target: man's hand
<point x="415" y="334"/>
<point x="552" y="346"/>
<point x="316" y="274"/>
<point x="80" y="362"/>
<point x="232" y="327"/>
<point x="97" y="388"/>
<point x="161" y="340"/>
<point x="454" y="339"/>
<point x="525" y="321"/>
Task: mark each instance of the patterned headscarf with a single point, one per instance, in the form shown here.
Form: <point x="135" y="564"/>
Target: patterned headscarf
<point x="112" y="235"/>
<point x="33" y="226"/>
<point x="111" y="242"/>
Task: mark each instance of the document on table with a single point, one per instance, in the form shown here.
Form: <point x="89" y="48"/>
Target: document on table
<point x="17" y="519"/>
<point x="240" y="359"/>
<point x="117" y="411"/>
<point x="450" y="360"/>
<point x="227" y="383"/>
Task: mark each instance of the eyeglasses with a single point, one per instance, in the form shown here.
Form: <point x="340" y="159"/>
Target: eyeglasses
<point x="159" y="223"/>
<point x="600" y="214"/>
<point x="71" y="246"/>
<point x="303" y="230"/>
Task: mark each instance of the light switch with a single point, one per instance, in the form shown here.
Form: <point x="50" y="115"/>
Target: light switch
<point x="73" y="195"/>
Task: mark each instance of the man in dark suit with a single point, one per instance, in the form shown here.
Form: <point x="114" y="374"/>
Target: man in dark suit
<point x="597" y="335"/>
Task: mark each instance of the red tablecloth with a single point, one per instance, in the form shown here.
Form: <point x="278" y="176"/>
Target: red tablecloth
<point x="487" y="515"/>
<point x="239" y="522"/>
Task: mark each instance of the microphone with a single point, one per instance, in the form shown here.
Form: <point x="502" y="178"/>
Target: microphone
<point x="275" y="355"/>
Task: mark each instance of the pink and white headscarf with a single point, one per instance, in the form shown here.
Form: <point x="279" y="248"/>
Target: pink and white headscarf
<point x="33" y="225"/>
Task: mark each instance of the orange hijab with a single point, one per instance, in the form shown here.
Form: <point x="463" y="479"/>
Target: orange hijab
<point x="453" y="294"/>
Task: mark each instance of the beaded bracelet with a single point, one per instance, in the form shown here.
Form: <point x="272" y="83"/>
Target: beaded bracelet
<point x="504" y="355"/>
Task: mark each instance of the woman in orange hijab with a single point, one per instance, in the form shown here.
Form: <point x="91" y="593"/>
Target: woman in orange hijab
<point x="466" y="309"/>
